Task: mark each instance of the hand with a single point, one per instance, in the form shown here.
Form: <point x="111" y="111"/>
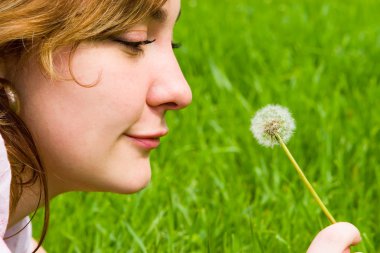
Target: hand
<point x="336" y="238"/>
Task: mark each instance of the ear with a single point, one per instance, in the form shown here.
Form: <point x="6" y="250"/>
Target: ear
<point x="13" y="100"/>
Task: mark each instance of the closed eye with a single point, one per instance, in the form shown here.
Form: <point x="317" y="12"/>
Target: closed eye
<point x="137" y="46"/>
<point x="134" y="46"/>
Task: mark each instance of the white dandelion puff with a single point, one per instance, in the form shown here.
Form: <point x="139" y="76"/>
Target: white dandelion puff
<point x="272" y="120"/>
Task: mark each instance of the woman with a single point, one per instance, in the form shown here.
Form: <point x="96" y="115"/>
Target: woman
<point x="84" y="89"/>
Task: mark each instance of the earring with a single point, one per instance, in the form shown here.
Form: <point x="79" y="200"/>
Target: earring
<point x="13" y="100"/>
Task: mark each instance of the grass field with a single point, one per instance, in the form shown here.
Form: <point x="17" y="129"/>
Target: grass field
<point x="214" y="189"/>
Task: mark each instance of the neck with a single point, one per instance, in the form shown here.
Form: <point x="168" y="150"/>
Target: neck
<point x="30" y="200"/>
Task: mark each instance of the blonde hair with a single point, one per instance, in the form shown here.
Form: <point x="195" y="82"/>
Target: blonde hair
<point x="39" y="28"/>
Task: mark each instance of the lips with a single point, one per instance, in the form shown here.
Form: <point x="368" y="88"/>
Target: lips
<point x="150" y="141"/>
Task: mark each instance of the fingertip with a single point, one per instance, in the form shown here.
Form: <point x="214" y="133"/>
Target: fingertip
<point x="350" y="232"/>
<point x="337" y="237"/>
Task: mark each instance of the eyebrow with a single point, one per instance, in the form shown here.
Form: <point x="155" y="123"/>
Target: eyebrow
<point x="161" y="15"/>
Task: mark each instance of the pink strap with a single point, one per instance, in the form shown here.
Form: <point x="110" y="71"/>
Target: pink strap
<point x="5" y="181"/>
<point x="3" y="247"/>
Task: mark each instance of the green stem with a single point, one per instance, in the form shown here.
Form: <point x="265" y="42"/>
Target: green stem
<point x="305" y="181"/>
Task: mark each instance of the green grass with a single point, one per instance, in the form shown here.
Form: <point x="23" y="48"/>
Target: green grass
<point x="214" y="189"/>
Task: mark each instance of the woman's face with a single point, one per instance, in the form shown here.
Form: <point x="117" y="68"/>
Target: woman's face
<point x="99" y="138"/>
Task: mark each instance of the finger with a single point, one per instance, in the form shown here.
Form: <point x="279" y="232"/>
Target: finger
<point x="336" y="238"/>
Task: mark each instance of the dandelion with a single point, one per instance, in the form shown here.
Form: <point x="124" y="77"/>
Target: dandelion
<point x="272" y="120"/>
<point x="274" y="125"/>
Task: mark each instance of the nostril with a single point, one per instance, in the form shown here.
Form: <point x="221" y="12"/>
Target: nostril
<point x="171" y="105"/>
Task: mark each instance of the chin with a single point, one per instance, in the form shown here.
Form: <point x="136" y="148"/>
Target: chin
<point x="136" y="186"/>
<point x="134" y="182"/>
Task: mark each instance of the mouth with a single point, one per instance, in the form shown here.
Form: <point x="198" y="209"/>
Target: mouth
<point x="150" y="141"/>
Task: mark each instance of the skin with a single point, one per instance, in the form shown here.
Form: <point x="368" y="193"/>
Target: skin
<point x="85" y="136"/>
<point x="335" y="238"/>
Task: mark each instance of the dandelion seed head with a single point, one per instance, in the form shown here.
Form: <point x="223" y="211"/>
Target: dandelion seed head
<point x="272" y="120"/>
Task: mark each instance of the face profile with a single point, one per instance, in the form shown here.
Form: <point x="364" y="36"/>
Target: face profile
<point x="99" y="137"/>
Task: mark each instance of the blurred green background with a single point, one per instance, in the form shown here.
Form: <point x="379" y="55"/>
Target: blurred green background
<point x="214" y="189"/>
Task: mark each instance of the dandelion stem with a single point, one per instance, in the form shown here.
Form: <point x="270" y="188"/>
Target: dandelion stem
<point x="304" y="179"/>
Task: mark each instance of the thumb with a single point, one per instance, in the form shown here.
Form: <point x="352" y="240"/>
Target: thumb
<point x="336" y="238"/>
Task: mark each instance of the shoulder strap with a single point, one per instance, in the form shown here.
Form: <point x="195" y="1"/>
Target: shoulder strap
<point x="5" y="181"/>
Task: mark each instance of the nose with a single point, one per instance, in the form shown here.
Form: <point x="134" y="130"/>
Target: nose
<point x="169" y="90"/>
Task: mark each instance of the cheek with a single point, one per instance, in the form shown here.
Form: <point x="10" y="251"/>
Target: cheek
<point x="77" y="129"/>
<point x="110" y="94"/>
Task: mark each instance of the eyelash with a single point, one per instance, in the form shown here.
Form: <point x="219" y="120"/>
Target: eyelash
<point x="136" y="46"/>
<point x="176" y="45"/>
